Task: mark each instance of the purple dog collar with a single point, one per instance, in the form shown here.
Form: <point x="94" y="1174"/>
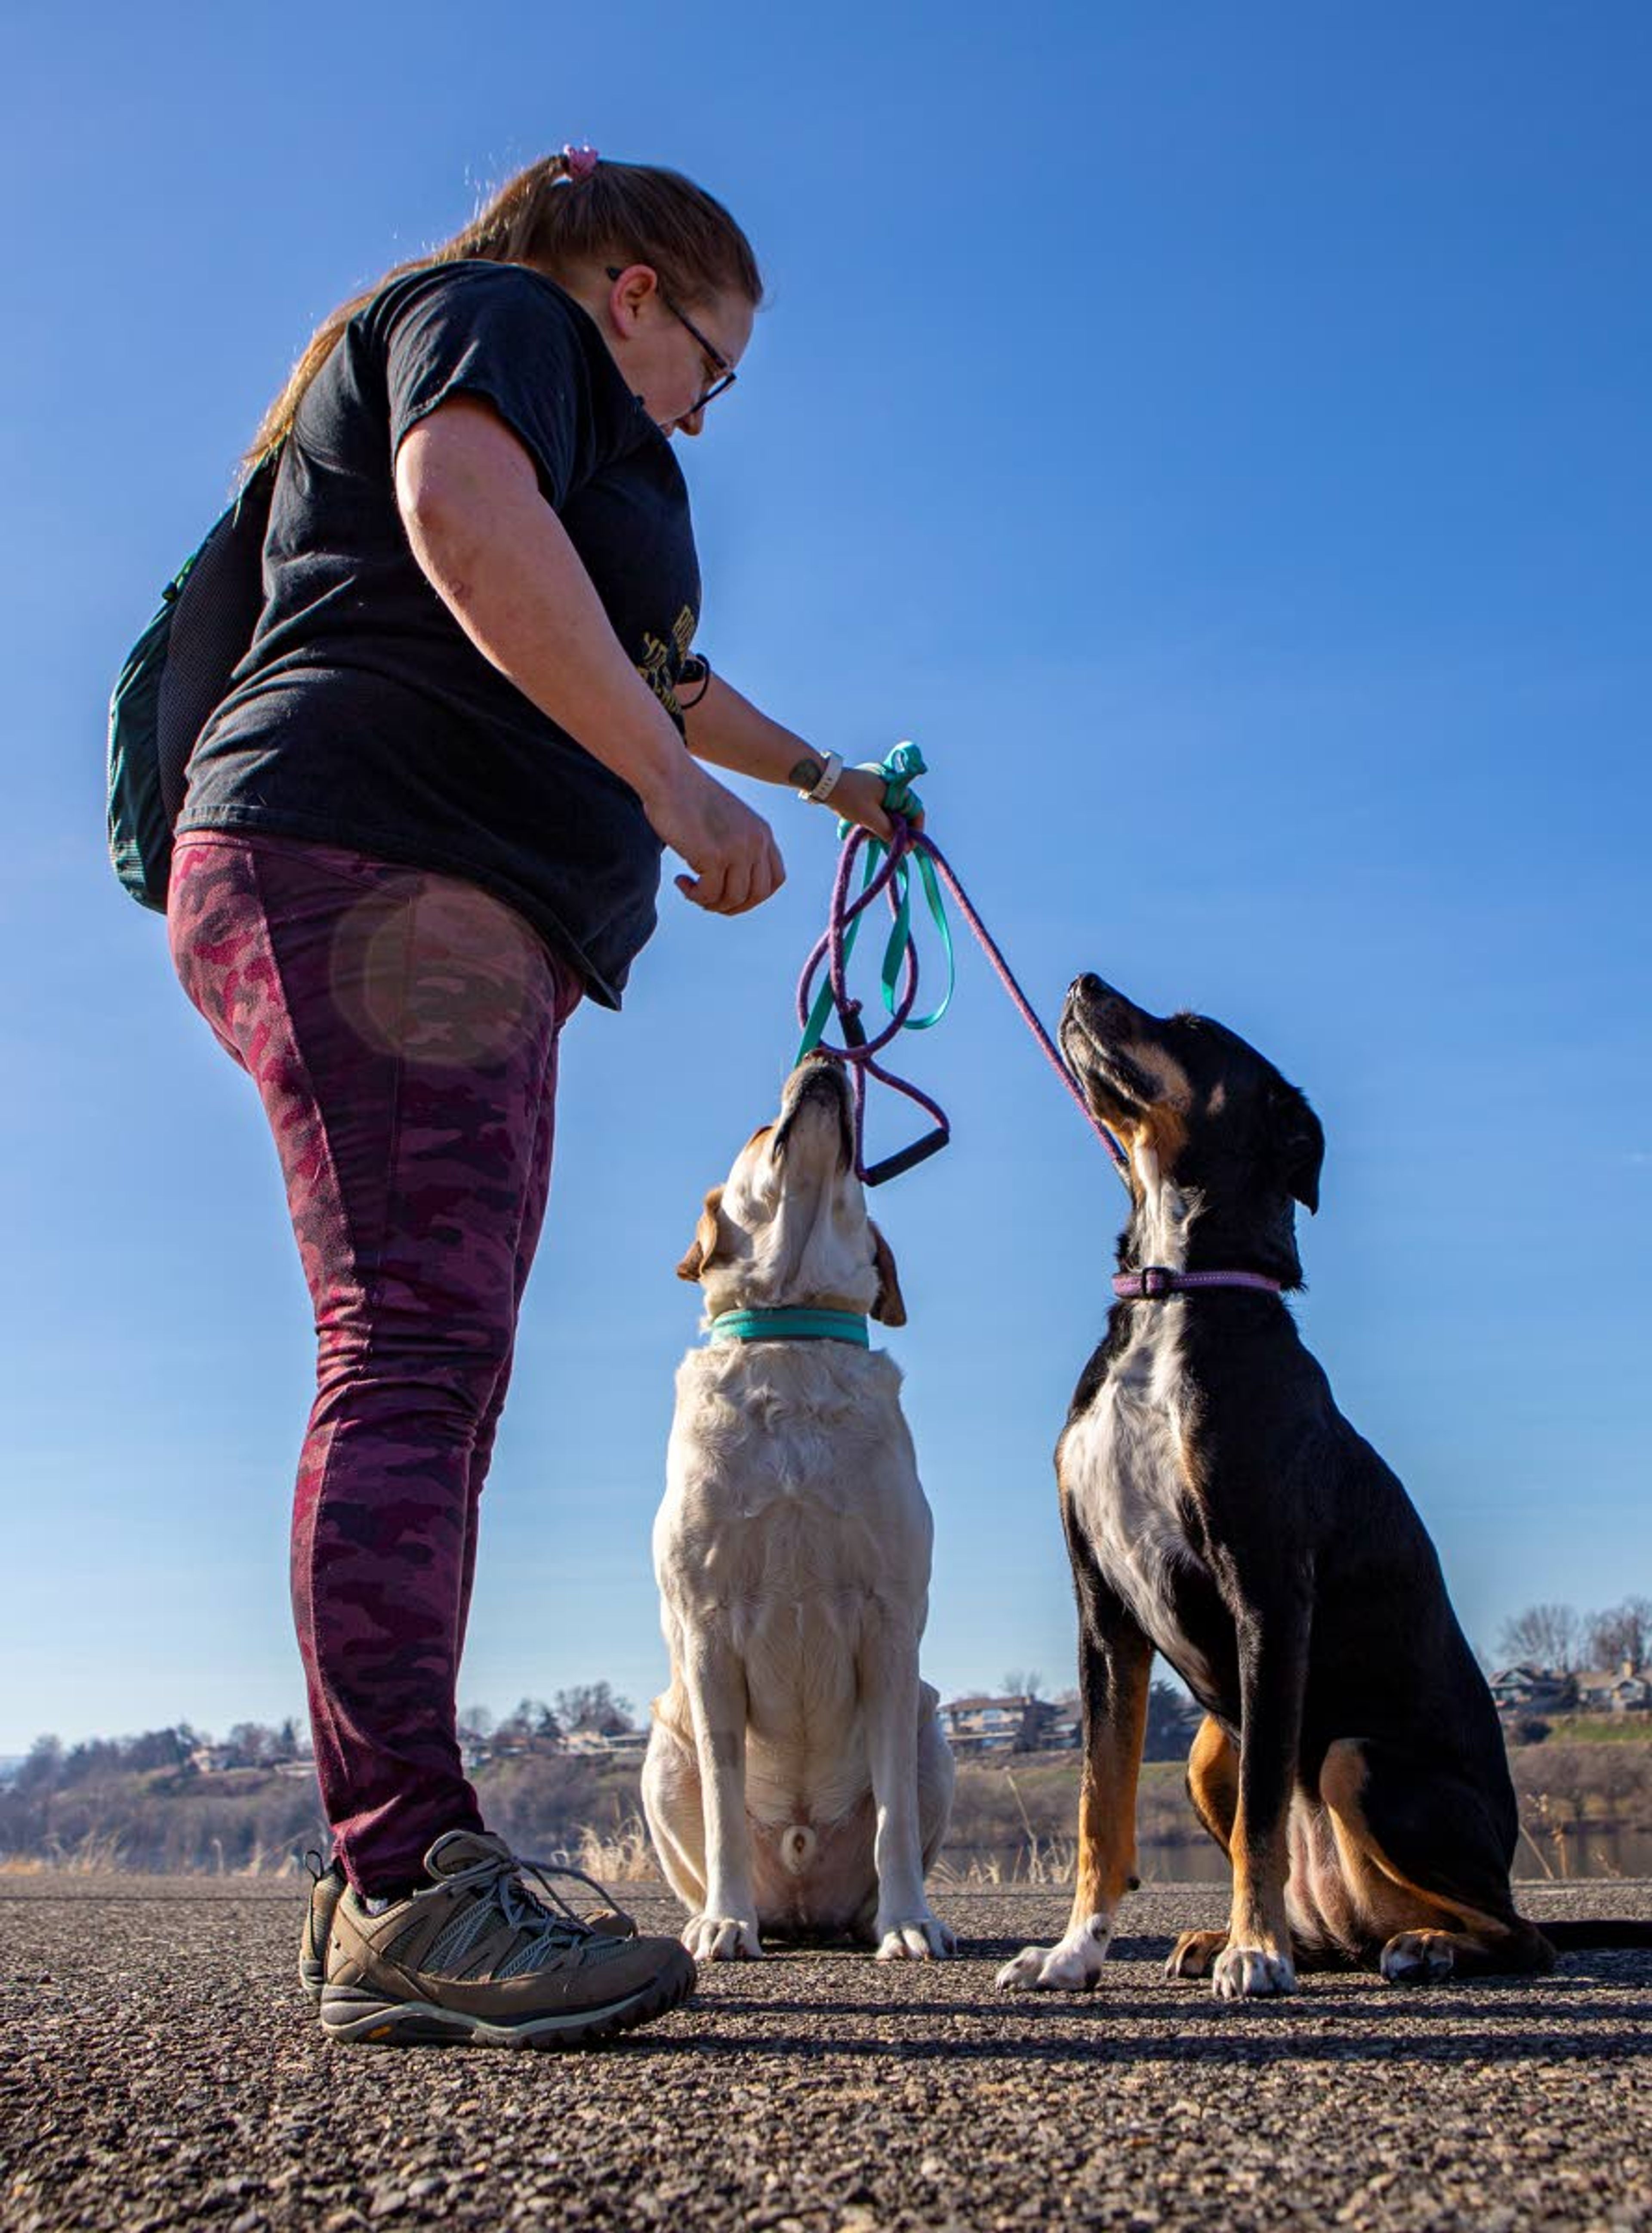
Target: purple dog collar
<point x="1156" y="1281"/>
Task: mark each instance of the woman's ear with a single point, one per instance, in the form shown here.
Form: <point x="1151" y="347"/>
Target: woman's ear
<point x="629" y="294"/>
<point x="889" y="1307"/>
<point x="703" y="1247"/>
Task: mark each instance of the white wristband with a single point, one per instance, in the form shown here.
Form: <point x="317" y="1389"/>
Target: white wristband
<point x="828" y="783"/>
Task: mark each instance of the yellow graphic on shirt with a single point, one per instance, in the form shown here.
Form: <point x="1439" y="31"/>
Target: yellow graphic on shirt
<point x="662" y="662"/>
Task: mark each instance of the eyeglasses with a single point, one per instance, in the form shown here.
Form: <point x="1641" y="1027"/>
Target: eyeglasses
<point x="725" y="373"/>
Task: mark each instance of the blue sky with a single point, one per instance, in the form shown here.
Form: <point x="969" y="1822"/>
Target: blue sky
<point x="1218" y="436"/>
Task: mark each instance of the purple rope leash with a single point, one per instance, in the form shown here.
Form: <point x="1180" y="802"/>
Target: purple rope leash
<point x="858" y="1050"/>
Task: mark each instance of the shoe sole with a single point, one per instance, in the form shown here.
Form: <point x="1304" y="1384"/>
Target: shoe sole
<point x="363" y="2018"/>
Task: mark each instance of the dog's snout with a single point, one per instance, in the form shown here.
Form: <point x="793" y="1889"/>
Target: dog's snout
<point x="820" y="1077"/>
<point x="821" y="1081"/>
<point x="1089" y="991"/>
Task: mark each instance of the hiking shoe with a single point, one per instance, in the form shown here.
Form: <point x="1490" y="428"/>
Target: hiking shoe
<point x="479" y="1958"/>
<point x="326" y="1885"/>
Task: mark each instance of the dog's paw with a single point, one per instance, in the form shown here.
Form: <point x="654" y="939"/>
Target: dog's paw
<point x="1418" y="1957"/>
<point x="1194" y="1953"/>
<point x="723" y="1938"/>
<point x="922" y="1937"/>
<point x="1072" y="1965"/>
<point x="1251" y="1973"/>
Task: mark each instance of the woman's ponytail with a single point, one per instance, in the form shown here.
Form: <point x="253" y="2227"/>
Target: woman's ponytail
<point x="566" y="211"/>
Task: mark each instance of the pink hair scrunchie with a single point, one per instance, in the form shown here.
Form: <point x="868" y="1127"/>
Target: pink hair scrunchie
<point x="581" y="162"/>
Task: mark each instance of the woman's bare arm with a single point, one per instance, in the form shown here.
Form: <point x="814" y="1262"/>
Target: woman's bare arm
<point x="501" y="561"/>
<point x="730" y="731"/>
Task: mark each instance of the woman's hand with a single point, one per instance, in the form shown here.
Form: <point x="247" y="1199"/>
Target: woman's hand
<point x="736" y="863"/>
<point x="727" y="730"/>
<point x="857" y="796"/>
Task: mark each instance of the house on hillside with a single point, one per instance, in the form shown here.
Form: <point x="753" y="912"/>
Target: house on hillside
<point x="522" y="1744"/>
<point x="1624" y="1690"/>
<point x="1063" y="1732"/>
<point x="979" y="1725"/>
<point x="1528" y="1689"/>
<point x="606" y="1744"/>
<point x="626" y="1744"/>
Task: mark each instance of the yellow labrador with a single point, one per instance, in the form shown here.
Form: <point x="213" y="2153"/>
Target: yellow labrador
<point x="797" y="1779"/>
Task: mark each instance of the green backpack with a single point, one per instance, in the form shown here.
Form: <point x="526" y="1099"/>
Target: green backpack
<point x="174" y="677"/>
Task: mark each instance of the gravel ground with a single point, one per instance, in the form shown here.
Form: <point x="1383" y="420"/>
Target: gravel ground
<point x="159" y="2067"/>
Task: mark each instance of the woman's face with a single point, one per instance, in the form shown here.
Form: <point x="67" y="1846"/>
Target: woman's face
<point x="670" y="353"/>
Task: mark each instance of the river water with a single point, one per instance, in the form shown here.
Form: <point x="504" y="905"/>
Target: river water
<point x="1576" y="1857"/>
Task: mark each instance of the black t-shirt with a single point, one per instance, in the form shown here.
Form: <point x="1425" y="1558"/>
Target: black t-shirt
<point x="363" y="715"/>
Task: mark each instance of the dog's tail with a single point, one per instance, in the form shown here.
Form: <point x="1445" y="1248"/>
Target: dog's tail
<point x="1577" y="1937"/>
<point x="798" y="1844"/>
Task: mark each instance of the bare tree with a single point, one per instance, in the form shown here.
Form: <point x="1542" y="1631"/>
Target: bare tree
<point x="1549" y="1636"/>
<point x="1172" y="1719"/>
<point x="253" y="1744"/>
<point x="1622" y="1632"/>
<point x="593" y="1706"/>
<point x="532" y="1718"/>
<point x="43" y="1769"/>
<point x="1022" y="1683"/>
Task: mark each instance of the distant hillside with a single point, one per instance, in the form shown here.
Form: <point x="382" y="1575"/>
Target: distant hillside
<point x="1010" y="1815"/>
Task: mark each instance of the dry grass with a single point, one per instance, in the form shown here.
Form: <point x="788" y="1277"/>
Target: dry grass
<point x="92" y="1855"/>
<point x="622" y="1855"/>
<point x="1041" y="1862"/>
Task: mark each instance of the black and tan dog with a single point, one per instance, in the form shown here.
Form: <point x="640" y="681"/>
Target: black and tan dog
<point x="1219" y="1509"/>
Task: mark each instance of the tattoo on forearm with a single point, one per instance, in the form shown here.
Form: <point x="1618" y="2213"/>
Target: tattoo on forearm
<point x="806" y="774"/>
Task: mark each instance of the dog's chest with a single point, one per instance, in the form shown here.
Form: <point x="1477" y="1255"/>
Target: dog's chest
<point x="790" y="1478"/>
<point x="1123" y="1466"/>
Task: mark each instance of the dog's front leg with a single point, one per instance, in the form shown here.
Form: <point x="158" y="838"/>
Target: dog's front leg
<point x="1273" y="1661"/>
<point x="891" y="1700"/>
<point x="1114" y="1661"/>
<point x="714" y="1679"/>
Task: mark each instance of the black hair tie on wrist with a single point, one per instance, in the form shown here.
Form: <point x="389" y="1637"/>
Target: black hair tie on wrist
<point x="695" y="669"/>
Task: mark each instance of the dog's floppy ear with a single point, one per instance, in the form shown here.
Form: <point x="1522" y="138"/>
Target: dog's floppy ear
<point x="704" y="1244"/>
<point x="889" y="1307"/>
<point x="1298" y="1142"/>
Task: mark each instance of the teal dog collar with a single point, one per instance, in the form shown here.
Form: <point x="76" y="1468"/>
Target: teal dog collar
<point x="797" y="1325"/>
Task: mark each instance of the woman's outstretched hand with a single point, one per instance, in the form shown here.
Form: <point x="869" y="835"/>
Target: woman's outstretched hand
<point x="732" y="851"/>
<point x="857" y="796"/>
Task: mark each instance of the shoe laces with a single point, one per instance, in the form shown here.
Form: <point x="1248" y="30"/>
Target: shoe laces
<point x="544" y="1913"/>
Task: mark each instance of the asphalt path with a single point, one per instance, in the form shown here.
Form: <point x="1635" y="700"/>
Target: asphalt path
<point x="159" y="2067"/>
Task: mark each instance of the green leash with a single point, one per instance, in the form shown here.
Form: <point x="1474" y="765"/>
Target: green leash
<point x="899" y="771"/>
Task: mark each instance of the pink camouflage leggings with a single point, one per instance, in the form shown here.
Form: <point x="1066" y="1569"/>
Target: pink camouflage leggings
<point x="401" y="1030"/>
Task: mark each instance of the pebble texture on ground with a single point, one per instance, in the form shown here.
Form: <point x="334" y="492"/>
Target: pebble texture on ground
<point x="159" y="2067"/>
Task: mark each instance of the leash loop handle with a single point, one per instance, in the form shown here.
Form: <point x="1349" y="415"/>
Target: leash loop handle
<point x="887" y="873"/>
<point x="907" y="1159"/>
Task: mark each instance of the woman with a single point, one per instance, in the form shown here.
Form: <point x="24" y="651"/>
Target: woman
<point x="426" y="821"/>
